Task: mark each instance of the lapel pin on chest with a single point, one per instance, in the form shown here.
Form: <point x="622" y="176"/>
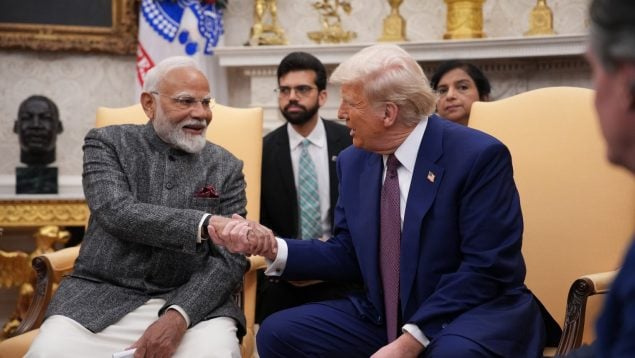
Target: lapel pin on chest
<point x="431" y="177"/>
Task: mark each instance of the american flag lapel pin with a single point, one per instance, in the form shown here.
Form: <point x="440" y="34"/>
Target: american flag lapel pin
<point x="431" y="177"/>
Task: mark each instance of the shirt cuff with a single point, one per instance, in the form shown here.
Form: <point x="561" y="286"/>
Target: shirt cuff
<point x="199" y="231"/>
<point x="416" y="333"/>
<point x="182" y="312"/>
<point x="275" y="267"/>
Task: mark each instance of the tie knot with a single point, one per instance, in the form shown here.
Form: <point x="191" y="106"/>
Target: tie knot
<point x="392" y="164"/>
<point x="305" y="143"/>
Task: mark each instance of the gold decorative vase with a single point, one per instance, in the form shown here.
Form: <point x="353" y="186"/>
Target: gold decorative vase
<point x="464" y="19"/>
<point x="394" y="24"/>
<point x="540" y="20"/>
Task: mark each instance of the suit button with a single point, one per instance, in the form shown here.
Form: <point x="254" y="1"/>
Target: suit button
<point x="169" y="185"/>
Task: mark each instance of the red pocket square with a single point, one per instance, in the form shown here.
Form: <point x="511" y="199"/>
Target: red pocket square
<point x="208" y="191"/>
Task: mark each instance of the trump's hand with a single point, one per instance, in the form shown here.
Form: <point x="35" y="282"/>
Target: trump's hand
<point x="237" y="234"/>
<point x="262" y="241"/>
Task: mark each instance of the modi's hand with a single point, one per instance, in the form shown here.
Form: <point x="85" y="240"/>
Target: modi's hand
<point x="161" y="338"/>
<point x="240" y="235"/>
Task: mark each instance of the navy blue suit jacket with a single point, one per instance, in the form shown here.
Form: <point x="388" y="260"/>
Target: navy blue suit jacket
<point x="616" y="325"/>
<point x="462" y="271"/>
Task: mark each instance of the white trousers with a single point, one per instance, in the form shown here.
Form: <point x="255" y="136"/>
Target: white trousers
<point x="61" y="336"/>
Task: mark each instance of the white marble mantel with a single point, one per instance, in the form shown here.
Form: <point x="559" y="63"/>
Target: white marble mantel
<point x="494" y="48"/>
<point x="513" y="64"/>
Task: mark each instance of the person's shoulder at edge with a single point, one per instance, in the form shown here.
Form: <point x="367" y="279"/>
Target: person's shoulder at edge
<point x="274" y="134"/>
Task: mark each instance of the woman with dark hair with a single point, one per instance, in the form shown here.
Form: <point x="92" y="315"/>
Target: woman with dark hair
<point x="459" y="84"/>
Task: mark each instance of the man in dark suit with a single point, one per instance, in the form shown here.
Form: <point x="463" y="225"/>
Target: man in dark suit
<point x="146" y="276"/>
<point x="301" y="92"/>
<point x="428" y="218"/>
<point x="612" y="58"/>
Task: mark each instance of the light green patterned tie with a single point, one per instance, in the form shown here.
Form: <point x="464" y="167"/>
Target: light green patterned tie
<point x="308" y="195"/>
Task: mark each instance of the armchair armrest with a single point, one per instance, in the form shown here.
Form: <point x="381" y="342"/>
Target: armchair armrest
<point x="49" y="269"/>
<point x="580" y="290"/>
<point x="249" y="303"/>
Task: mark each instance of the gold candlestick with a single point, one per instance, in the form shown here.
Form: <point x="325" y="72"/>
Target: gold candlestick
<point x="266" y="33"/>
<point x="540" y="20"/>
<point x="464" y="19"/>
<point x="394" y="24"/>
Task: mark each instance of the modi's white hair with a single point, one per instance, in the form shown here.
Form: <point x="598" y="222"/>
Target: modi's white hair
<point x="156" y="73"/>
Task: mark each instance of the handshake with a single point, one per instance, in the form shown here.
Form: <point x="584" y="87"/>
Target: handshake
<point x="240" y="235"/>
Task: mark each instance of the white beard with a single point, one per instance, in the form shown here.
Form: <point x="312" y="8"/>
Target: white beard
<point x="173" y="134"/>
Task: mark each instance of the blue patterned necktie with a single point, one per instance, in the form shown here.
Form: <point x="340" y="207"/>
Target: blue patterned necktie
<point x="308" y="196"/>
<point x="389" y="245"/>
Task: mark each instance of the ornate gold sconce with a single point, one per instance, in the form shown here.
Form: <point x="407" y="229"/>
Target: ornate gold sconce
<point x="540" y="20"/>
<point x="263" y="32"/>
<point x="464" y="19"/>
<point x="394" y="24"/>
<point x="332" y="31"/>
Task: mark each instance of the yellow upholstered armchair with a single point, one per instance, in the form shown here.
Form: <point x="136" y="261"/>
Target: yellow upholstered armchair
<point x="239" y="130"/>
<point x="577" y="208"/>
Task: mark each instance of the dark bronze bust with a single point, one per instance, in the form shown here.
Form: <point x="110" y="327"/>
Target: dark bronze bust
<point x="37" y="126"/>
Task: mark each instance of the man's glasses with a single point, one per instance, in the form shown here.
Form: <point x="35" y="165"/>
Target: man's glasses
<point x="187" y="102"/>
<point x="300" y="91"/>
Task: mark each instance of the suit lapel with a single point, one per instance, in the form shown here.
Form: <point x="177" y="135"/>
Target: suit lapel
<point x="369" y="188"/>
<point x="334" y="145"/>
<point x="285" y="169"/>
<point x="423" y="189"/>
<point x="284" y="160"/>
<point x="332" y="148"/>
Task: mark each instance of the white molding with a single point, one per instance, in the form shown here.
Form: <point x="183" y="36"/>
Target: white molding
<point x="494" y="48"/>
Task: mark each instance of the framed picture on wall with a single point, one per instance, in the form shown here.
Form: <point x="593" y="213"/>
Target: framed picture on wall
<point x="70" y="25"/>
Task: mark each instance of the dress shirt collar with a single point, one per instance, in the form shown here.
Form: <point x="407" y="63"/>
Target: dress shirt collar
<point x="317" y="137"/>
<point x="407" y="152"/>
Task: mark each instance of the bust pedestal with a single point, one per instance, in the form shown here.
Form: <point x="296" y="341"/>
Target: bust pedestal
<point x="36" y="180"/>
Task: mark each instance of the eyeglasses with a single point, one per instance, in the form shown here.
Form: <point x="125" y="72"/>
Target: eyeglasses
<point x="187" y="102"/>
<point x="300" y="91"/>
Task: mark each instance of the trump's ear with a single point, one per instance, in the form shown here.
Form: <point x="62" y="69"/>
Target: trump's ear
<point x="390" y="114"/>
<point x="148" y="103"/>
